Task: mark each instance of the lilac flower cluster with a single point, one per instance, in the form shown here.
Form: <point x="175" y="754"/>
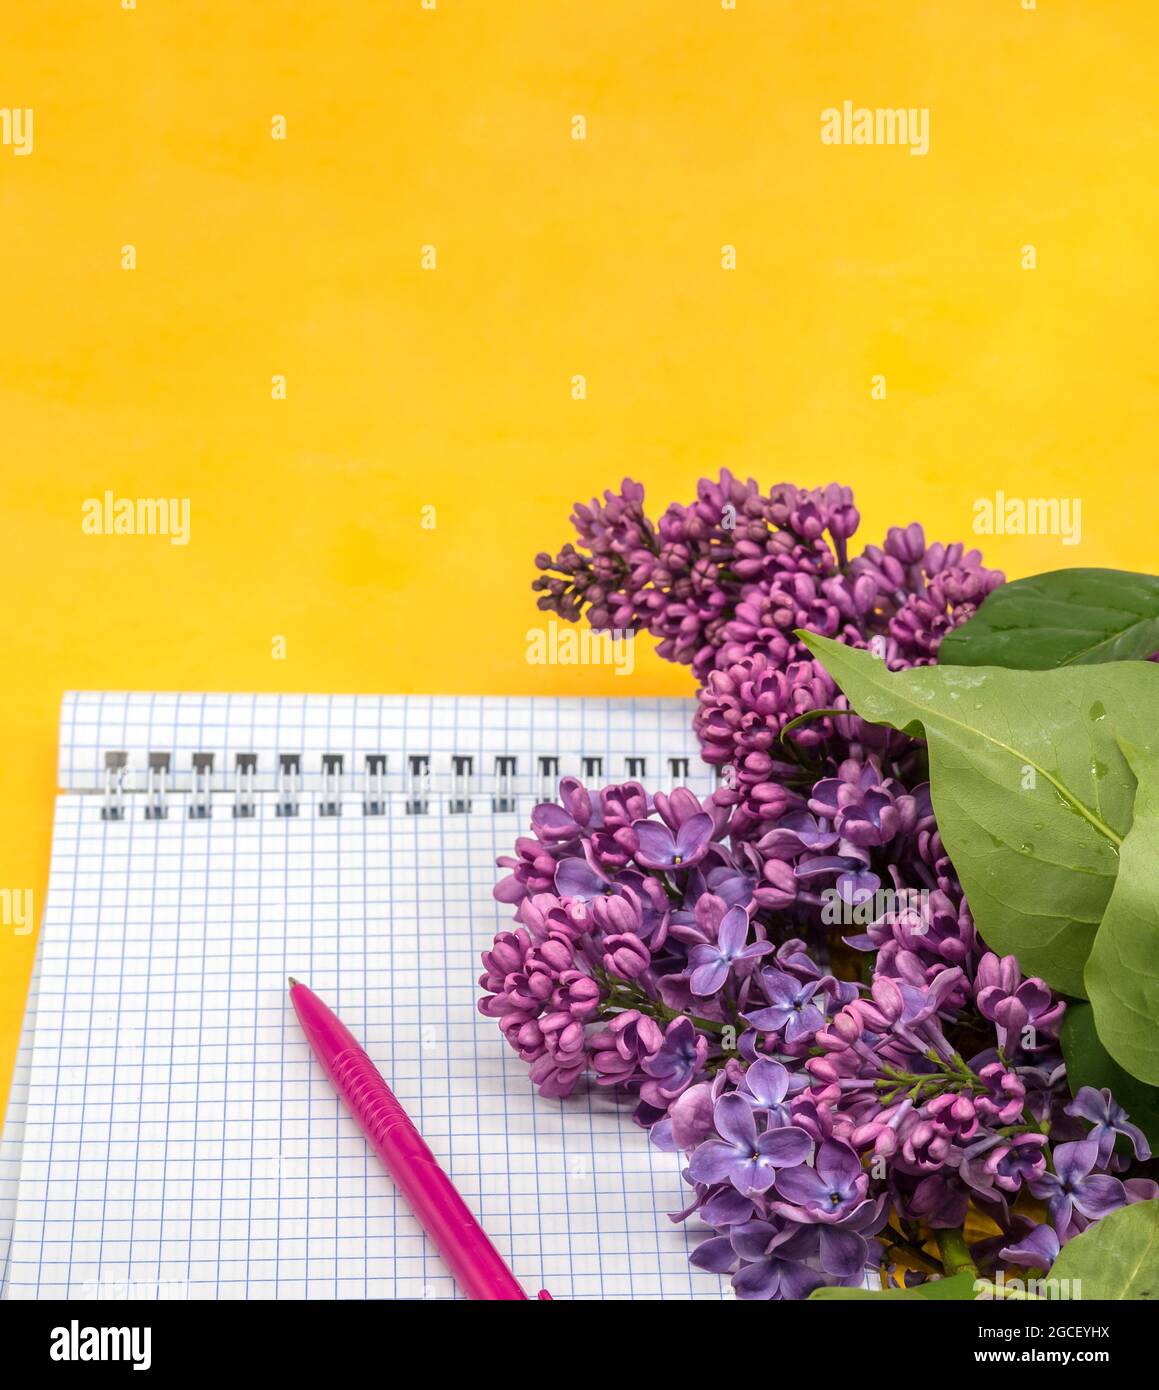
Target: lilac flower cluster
<point x="830" y="1126"/>
<point x="725" y="583"/>
<point x="785" y="977"/>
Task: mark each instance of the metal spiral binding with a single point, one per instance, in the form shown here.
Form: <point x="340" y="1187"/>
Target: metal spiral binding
<point x="418" y="797"/>
<point x="157" y="786"/>
<point x="116" y="765"/>
<point x="331" y="803"/>
<point x="548" y="778"/>
<point x="374" y="785"/>
<point x="289" y="783"/>
<point x="503" y="797"/>
<point x="244" y="771"/>
<point x="461" y="770"/>
<point x="201" y="793"/>
<point x="503" y="781"/>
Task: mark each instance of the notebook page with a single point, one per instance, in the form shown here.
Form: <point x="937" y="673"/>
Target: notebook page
<point x="12" y="1135"/>
<point x="180" y="1142"/>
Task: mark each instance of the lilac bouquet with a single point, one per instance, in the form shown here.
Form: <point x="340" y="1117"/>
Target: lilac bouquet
<point x="785" y="977"/>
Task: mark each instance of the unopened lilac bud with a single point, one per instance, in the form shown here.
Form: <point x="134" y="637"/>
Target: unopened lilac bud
<point x="887" y="997"/>
<point x="506" y="955"/>
<point x="954" y="1113"/>
<point x="864" y="594"/>
<point x="555" y="953"/>
<point x="822" y="1068"/>
<point x="529" y="1036"/>
<point x="877" y="1135"/>
<point x="908" y="545"/>
<point x="576" y="801"/>
<point x="617" y="915"/>
<point x="846" y="1026"/>
<point x="778" y="887"/>
<point x="578" y="996"/>
<point x="551" y="823"/>
<point x="843" y="522"/>
<point x="626" y="956"/>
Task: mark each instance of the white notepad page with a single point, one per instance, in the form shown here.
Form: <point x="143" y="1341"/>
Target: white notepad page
<point x="12" y="1134"/>
<point x="180" y="1141"/>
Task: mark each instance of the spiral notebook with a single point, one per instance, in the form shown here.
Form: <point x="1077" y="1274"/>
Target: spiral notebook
<point x="169" y="1135"/>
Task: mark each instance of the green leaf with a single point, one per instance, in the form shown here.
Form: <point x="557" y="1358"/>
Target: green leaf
<point x="1117" y="1257"/>
<point x="1030" y="787"/>
<point x="1122" y="974"/>
<point x="1064" y="618"/>
<point x="1089" y="1064"/>
<point x="956" y="1289"/>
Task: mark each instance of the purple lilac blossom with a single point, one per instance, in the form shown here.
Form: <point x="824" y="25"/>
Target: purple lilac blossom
<point x="699" y="954"/>
<point x="811" y="1109"/>
<point x="725" y="583"/>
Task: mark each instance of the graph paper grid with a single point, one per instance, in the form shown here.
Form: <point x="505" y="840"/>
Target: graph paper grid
<point x="12" y="1135"/>
<point x="180" y="1141"/>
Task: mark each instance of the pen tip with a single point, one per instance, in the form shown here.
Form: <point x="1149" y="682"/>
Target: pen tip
<point x="292" y="981"/>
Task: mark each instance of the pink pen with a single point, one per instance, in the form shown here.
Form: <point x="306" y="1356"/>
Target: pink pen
<point x="476" y="1265"/>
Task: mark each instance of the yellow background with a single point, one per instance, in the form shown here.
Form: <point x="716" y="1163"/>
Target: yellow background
<point x="451" y="388"/>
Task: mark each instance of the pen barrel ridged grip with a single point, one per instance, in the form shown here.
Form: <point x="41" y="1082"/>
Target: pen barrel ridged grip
<point x="383" y="1120"/>
<point x="473" y="1261"/>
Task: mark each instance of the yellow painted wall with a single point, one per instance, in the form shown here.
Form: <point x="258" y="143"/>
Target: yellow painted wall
<point x="451" y="388"/>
